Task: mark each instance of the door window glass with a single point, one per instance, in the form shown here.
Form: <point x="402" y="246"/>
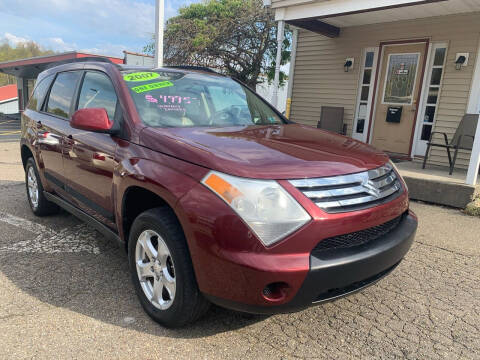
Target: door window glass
<point x="98" y="92"/>
<point x="400" y="79"/>
<point x="369" y="57"/>
<point x="436" y="76"/>
<point x="62" y="92"/>
<point x="439" y="56"/>
<point x="39" y="93"/>
<point x="433" y="92"/>
<point x="365" y="91"/>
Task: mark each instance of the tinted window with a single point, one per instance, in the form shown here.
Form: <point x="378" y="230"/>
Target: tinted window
<point x="62" y="92"/>
<point x="176" y="99"/>
<point x="98" y="92"/>
<point x="39" y="94"/>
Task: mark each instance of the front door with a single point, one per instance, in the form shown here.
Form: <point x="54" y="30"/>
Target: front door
<point x="399" y="88"/>
<point x="89" y="156"/>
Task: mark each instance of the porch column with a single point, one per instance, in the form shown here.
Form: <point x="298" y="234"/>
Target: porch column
<point x="21" y="91"/>
<point x="276" y="80"/>
<point x="474" y="108"/>
<point x="291" y="74"/>
<point x="474" y="166"/>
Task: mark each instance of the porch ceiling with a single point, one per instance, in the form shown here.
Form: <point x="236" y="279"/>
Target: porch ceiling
<point x="376" y="16"/>
<point x="407" y="13"/>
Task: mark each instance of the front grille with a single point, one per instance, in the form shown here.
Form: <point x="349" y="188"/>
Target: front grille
<point x="357" y="238"/>
<point x="352" y="192"/>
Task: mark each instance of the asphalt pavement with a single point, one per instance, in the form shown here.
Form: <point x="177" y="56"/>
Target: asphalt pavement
<point x="65" y="292"/>
<point x="9" y="128"/>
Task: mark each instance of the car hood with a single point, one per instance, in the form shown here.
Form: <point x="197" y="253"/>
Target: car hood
<point x="289" y="151"/>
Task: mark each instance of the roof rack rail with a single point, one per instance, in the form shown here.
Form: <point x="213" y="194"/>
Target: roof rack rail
<point x="192" y="67"/>
<point x="82" y="59"/>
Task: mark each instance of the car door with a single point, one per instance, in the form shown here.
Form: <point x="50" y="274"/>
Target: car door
<point x="90" y="157"/>
<point x="51" y="124"/>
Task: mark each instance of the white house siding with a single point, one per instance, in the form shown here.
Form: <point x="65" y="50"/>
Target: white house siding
<point x="9" y="107"/>
<point x="320" y="78"/>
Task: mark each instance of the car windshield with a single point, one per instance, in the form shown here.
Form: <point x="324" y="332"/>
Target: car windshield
<point x="177" y="99"/>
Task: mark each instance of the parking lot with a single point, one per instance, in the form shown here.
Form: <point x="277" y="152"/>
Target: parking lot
<point x="66" y="293"/>
<point x="9" y="128"/>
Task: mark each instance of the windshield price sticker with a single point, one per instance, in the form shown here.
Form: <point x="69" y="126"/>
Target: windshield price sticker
<point x="141" y="76"/>
<point x="152" y="86"/>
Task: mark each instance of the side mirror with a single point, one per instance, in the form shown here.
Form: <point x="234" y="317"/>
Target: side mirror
<point x="94" y="119"/>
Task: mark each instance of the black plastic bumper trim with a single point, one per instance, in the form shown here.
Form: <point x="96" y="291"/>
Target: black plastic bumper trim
<point x="350" y="271"/>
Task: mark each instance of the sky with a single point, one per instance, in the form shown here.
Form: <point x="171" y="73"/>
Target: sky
<point x="100" y="27"/>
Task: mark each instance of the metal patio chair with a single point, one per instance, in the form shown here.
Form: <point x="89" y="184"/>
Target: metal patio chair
<point x="462" y="140"/>
<point x="331" y="119"/>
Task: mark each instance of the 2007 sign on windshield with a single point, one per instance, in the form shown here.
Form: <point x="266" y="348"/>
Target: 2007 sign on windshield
<point x="141" y="76"/>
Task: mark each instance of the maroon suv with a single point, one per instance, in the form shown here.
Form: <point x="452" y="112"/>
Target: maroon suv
<point x="214" y="194"/>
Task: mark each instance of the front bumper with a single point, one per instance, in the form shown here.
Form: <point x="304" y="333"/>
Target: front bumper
<point x="348" y="271"/>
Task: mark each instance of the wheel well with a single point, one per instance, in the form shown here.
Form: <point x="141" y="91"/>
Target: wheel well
<point x="26" y="154"/>
<point x="136" y="200"/>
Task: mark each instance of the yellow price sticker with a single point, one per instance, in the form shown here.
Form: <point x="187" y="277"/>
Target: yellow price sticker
<point x="152" y="86"/>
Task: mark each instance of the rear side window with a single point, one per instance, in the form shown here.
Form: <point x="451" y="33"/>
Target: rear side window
<point x="39" y="93"/>
<point x="62" y="92"/>
<point x="98" y="92"/>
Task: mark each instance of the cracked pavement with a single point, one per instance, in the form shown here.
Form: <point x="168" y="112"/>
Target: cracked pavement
<point x="66" y="293"/>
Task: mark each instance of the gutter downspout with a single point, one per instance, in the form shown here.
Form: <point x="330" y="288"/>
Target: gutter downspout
<point x="291" y="74"/>
<point x="276" y="81"/>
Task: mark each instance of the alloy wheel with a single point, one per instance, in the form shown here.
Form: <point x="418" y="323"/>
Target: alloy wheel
<point x="155" y="269"/>
<point x="32" y="184"/>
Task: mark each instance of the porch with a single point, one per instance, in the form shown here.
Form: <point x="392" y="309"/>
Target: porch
<point x="434" y="185"/>
<point x="399" y="70"/>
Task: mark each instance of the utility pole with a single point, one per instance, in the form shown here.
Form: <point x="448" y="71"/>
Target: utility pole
<point x="159" y="23"/>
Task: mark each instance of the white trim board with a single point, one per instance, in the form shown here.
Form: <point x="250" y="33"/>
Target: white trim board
<point x="474" y="108"/>
<point x="418" y="149"/>
<point x="328" y="8"/>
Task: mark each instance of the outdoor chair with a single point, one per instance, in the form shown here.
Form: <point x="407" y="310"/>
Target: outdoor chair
<point x="331" y="119"/>
<point x="462" y="140"/>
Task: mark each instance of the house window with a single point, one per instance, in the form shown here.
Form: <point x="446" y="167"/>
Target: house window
<point x="365" y="92"/>
<point x="433" y="92"/>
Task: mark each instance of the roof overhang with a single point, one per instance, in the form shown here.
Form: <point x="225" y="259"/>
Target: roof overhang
<point x="8" y="100"/>
<point x="321" y="15"/>
<point x="31" y="67"/>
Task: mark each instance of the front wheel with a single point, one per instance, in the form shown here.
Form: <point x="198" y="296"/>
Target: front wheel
<point x="162" y="270"/>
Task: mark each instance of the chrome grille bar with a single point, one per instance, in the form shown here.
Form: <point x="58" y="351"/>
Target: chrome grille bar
<point x="350" y="192"/>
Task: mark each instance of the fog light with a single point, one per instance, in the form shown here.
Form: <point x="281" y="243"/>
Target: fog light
<point x="275" y="291"/>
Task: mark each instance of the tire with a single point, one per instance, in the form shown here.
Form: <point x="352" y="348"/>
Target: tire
<point x="159" y="230"/>
<point x="36" y="199"/>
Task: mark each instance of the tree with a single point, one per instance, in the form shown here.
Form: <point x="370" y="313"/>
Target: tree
<point x="21" y="51"/>
<point x="236" y="37"/>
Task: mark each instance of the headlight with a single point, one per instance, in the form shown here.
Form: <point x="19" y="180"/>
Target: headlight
<point x="400" y="178"/>
<point x="268" y="209"/>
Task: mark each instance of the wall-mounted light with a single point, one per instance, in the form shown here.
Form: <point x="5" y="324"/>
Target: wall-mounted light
<point x="348" y="64"/>
<point x="461" y="60"/>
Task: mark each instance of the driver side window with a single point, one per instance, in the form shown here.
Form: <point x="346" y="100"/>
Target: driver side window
<point x="98" y="92"/>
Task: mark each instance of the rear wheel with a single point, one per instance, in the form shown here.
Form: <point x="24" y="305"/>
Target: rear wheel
<point x="162" y="270"/>
<point x="36" y="199"/>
